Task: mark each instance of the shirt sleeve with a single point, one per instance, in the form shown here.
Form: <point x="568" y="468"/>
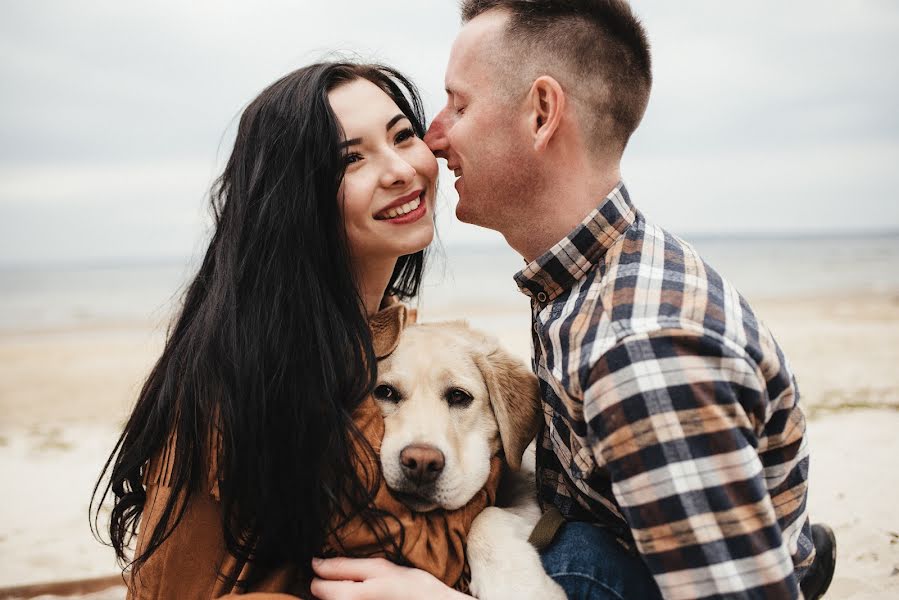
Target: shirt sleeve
<point x="674" y="418"/>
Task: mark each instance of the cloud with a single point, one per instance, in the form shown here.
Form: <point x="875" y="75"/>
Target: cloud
<point x="115" y="116"/>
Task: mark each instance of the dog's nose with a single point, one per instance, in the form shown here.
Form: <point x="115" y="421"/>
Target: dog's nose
<point x="422" y="463"/>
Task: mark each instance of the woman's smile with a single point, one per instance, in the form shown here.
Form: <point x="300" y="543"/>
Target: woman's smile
<point x="406" y="209"/>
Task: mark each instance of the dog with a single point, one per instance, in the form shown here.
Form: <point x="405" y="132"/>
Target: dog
<point x="452" y="398"/>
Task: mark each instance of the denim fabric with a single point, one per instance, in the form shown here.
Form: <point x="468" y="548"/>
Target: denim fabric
<point x="589" y="564"/>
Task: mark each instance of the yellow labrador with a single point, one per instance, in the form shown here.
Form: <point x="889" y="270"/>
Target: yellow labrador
<point x="451" y="399"/>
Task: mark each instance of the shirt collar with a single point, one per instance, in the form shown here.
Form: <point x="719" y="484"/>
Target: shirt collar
<point x="565" y="263"/>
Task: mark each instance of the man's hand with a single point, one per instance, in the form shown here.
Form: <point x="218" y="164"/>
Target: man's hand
<point x="375" y="579"/>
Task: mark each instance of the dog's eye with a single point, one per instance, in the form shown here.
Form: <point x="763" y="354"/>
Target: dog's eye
<point x="457" y="397"/>
<point x="386" y="392"/>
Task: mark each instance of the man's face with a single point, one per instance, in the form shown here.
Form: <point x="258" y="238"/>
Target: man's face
<point x="480" y="132"/>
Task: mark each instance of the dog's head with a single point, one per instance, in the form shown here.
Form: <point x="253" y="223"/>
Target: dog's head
<point x="451" y="399"/>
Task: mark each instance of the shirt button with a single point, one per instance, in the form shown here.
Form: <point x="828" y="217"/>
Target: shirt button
<point x="541" y="297"/>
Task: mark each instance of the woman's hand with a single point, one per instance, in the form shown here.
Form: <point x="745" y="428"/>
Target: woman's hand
<point x="375" y="579"/>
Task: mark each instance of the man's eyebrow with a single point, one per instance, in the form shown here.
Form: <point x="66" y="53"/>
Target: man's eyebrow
<point x="452" y="93"/>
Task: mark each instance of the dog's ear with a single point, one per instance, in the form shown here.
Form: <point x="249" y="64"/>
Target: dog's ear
<point x="515" y="399"/>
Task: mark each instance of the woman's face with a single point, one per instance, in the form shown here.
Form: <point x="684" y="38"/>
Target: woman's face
<point x="388" y="189"/>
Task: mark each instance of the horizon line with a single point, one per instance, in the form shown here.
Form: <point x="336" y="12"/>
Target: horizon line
<point x="111" y="262"/>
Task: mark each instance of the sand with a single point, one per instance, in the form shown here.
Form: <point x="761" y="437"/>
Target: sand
<point x="65" y="393"/>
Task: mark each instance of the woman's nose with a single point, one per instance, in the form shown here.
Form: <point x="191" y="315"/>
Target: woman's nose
<point x="399" y="171"/>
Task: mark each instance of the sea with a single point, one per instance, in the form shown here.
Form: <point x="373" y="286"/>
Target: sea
<point x="460" y="278"/>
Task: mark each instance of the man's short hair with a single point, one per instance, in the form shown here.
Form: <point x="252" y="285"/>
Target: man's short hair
<point x="597" y="49"/>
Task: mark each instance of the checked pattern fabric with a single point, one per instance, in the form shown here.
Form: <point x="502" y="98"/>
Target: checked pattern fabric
<point x="671" y="414"/>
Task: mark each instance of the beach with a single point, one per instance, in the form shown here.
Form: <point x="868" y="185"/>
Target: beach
<point x="66" y="387"/>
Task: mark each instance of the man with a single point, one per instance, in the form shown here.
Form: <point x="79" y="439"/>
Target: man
<point x="672" y="416"/>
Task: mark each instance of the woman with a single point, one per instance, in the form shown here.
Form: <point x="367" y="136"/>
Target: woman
<point x="252" y="447"/>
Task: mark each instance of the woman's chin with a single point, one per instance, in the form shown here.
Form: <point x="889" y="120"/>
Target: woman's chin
<point x="416" y="243"/>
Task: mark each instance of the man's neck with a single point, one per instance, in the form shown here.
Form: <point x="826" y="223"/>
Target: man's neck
<point x="558" y="208"/>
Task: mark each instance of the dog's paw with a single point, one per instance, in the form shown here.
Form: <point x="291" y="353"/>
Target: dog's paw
<point x="504" y="565"/>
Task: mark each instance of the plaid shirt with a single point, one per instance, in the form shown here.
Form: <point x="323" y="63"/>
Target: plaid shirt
<point x="671" y="414"/>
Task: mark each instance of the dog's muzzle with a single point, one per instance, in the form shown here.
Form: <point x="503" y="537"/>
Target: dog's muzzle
<point x="422" y="464"/>
<point x="420" y="469"/>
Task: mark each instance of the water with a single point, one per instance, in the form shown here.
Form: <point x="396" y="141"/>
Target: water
<point x="759" y="266"/>
<point x="771" y="267"/>
<point x="50" y="297"/>
<point x="461" y="279"/>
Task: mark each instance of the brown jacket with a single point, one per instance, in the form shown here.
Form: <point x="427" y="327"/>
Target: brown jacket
<point x="188" y="564"/>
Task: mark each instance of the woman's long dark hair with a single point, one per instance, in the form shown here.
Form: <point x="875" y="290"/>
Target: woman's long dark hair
<point x="272" y="351"/>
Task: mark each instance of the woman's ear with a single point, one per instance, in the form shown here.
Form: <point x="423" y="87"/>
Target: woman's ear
<point x="547" y="103"/>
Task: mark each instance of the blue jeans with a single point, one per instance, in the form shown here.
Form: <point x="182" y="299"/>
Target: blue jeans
<point x="590" y="565"/>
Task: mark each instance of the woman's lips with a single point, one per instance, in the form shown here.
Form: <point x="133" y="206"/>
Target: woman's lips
<point x="411" y="216"/>
<point x="399" y="202"/>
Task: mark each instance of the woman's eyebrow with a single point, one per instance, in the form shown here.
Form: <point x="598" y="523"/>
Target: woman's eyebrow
<point x="393" y="121"/>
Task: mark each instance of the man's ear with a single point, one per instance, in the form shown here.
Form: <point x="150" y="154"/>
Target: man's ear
<point x="547" y="104"/>
<point x="515" y="399"/>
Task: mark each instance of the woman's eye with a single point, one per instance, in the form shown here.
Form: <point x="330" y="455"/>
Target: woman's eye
<point x="387" y="393"/>
<point x="404" y="135"/>
<point x="457" y="397"/>
<point x="351" y="158"/>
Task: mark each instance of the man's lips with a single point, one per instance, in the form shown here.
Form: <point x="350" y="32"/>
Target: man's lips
<point x="457" y="171"/>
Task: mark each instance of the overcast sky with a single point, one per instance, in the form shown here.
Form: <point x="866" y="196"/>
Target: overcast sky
<point x="116" y="116"/>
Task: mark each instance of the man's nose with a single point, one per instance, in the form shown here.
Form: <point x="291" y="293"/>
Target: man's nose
<point x="435" y="137"/>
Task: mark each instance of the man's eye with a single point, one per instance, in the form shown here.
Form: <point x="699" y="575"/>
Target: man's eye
<point x="386" y="393"/>
<point x="351" y="158"/>
<point x="458" y="397"/>
<point x="404" y="135"/>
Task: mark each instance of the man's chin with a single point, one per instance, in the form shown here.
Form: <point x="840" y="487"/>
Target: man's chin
<point x="470" y="219"/>
<point x="467" y="216"/>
